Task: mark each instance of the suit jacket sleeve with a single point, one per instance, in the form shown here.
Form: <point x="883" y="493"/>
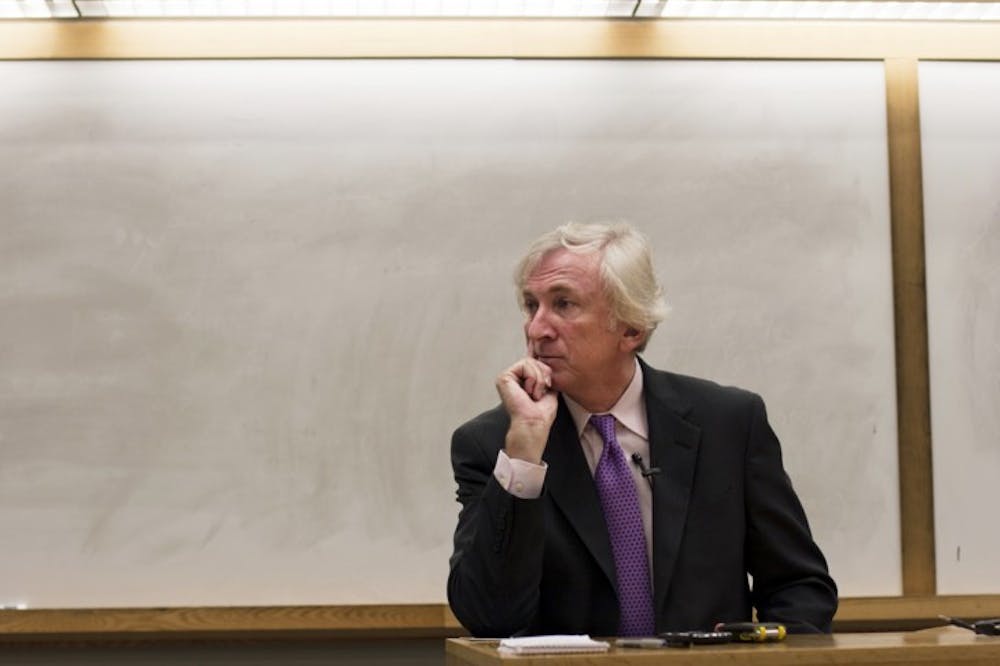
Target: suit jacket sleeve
<point x="791" y="584"/>
<point x="496" y="565"/>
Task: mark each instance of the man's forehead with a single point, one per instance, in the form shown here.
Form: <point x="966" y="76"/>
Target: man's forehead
<point x="562" y="270"/>
<point x="554" y="288"/>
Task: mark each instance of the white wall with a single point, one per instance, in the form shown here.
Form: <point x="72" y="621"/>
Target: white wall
<point x="246" y="303"/>
<point x="960" y="129"/>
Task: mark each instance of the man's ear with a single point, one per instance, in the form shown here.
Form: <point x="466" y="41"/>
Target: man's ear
<point x="632" y="338"/>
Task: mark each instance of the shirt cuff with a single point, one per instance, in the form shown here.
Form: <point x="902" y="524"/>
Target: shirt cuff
<point x="520" y="478"/>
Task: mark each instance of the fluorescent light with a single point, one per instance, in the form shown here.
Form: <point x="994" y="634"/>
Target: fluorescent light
<point x="35" y="9"/>
<point x="864" y="10"/>
<point x="858" y="10"/>
<point x="306" y="8"/>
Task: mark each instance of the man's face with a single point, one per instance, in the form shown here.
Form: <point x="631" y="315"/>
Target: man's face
<point x="568" y="319"/>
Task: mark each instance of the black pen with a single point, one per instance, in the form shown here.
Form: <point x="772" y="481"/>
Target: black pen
<point x="983" y="627"/>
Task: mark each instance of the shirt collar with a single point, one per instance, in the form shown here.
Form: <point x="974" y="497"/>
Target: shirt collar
<point x="630" y="410"/>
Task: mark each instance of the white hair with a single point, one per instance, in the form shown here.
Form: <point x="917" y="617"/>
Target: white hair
<point x="626" y="270"/>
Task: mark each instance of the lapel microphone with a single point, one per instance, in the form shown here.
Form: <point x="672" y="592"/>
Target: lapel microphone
<point x="647" y="472"/>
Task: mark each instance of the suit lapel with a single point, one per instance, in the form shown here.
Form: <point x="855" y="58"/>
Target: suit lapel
<point x="571" y="486"/>
<point x="673" y="447"/>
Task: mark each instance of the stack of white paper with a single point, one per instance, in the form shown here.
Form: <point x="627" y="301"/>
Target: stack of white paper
<point x="554" y="643"/>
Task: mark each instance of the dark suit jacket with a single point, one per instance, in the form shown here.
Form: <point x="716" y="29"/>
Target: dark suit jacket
<point x="723" y="508"/>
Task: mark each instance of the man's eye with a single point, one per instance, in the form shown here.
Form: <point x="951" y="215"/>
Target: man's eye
<point x="530" y="306"/>
<point x="563" y="303"/>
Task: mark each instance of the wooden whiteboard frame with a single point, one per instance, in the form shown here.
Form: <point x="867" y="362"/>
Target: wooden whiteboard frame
<point x="497" y="38"/>
<point x="391" y="621"/>
<point x="899" y="45"/>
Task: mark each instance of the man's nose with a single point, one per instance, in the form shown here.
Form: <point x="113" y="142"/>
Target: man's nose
<point x="538" y="327"/>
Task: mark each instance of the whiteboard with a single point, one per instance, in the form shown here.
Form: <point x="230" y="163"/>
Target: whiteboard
<point x="960" y="133"/>
<point x="246" y="303"/>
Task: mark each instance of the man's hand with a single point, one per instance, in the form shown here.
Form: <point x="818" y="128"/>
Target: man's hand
<point x="525" y="389"/>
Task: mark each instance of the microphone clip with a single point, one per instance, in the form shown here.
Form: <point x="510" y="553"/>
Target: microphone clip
<point x="647" y="472"/>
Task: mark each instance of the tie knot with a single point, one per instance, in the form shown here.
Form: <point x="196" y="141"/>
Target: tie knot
<point x="605" y="425"/>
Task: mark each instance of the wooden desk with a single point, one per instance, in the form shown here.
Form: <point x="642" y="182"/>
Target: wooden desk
<point x="942" y="646"/>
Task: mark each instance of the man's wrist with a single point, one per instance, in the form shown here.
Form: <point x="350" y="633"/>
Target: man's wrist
<point x="526" y="440"/>
<point x="520" y="478"/>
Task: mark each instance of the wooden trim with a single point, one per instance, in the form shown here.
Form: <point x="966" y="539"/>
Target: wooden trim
<point x="392" y="621"/>
<point x="496" y="38"/>
<point x="919" y="607"/>
<point x="916" y="487"/>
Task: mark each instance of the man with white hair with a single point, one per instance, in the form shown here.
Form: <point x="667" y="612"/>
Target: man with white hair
<point x="607" y="497"/>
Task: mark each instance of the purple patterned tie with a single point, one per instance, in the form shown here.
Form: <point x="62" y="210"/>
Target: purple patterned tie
<point x="620" y="502"/>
